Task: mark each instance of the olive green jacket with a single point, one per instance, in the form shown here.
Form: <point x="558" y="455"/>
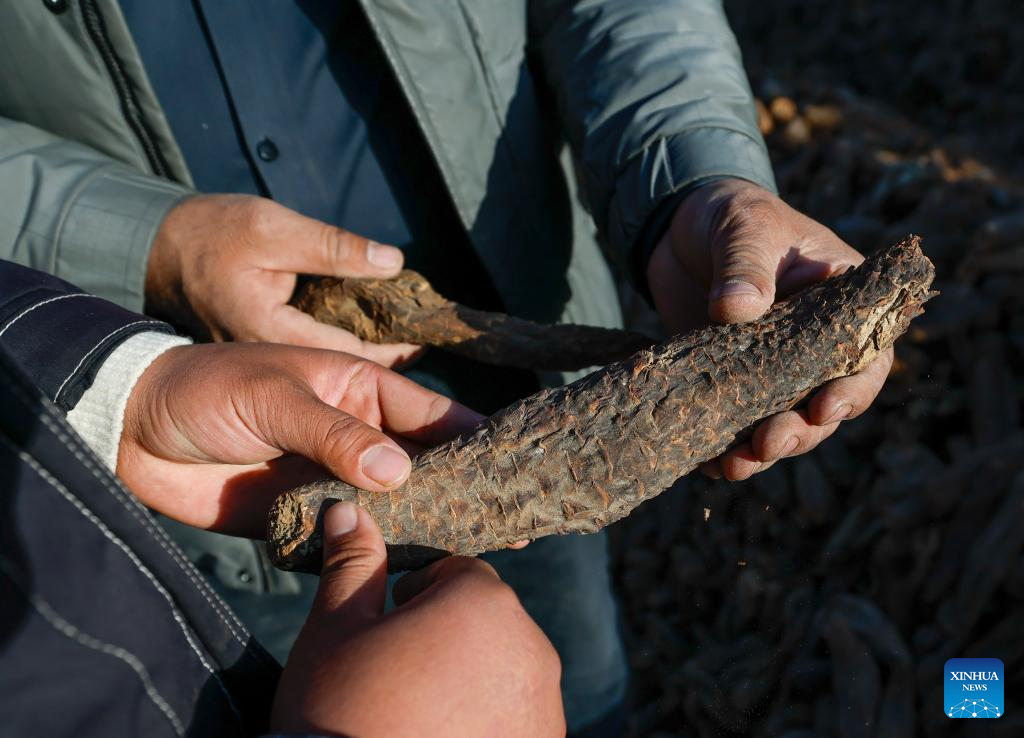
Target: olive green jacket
<point x="650" y="97"/>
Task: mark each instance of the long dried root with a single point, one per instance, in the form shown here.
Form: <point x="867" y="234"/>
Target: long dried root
<point x="575" y="458"/>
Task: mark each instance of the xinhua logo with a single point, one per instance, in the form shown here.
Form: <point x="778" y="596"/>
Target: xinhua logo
<point x="974" y="688"/>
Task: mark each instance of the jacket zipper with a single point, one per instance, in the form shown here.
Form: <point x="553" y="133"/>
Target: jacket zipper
<point x="97" y="30"/>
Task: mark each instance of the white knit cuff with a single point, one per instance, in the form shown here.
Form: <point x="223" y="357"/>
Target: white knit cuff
<point x="99" y="415"/>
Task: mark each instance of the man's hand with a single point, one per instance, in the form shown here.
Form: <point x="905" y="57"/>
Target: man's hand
<point x="212" y="433"/>
<point x="227" y="265"/>
<point x="459" y="657"/>
<point x="731" y="250"/>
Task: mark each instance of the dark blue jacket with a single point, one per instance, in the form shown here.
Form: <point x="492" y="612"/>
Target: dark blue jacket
<point x="105" y="627"/>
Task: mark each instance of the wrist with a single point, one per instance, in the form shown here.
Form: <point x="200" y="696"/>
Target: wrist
<point x="164" y="286"/>
<point x="138" y="414"/>
<point x="101" y="415"/>
<point x="664" y="216"/>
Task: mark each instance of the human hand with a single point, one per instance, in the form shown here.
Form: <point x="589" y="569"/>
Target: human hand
<point x="731" y="249"/>
<point x="459" y="657"/>
<point x="227" y="265"/>
<point x="213" y="433"/>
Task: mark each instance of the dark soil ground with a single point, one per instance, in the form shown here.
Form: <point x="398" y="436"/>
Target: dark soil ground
<point x="823" y="597"/>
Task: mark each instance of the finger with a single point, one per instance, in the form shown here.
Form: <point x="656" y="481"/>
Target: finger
<point x="788" y="434"/>
<point x="353" y="580"/>
<point x="407" y="408"/>
<point x="680" y="300"/>
<point x="246" y="491"/>
<point x="823" y="255"/>
<point x="803" y="273"/>
<point x="848" y="397"/>
<point x="744" y="268"/>
<point x="416" y="582"/>
<point x="410" y="447"/>
<point x="740" y="463"/>
<point x="712" y="469"/>
<point x="309" y="246"/>
<point x="294" y="327"/>
<point x="349" y="448"/>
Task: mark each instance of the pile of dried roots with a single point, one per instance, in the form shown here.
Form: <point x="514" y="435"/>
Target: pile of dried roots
<point x="823" y="597"/>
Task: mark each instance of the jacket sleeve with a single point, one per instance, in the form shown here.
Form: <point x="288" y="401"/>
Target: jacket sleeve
<point x="60" y="335"/>
<point x="71" y="211"/>
<point x="653" y="98"/>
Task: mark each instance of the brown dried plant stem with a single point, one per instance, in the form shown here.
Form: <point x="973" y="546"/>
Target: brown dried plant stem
<point x="575" y="458"/>
<point x="406" y="309"/>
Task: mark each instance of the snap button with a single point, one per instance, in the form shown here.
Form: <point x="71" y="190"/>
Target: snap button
<point x="267" y="150"/>
<point x="56" y="6"/>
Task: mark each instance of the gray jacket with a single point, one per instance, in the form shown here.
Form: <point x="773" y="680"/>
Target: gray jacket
<point x="650" y="96"/>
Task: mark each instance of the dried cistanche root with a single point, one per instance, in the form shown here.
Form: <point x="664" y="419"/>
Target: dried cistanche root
<point x="406" y="309"/>
<point x="575" y="458"/>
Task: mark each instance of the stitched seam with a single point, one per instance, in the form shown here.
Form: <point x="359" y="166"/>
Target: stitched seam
<point x="66" y="628"/>
<point x="97" y="63"/>
<point x="94" y="348"/>
<point x="109" y="535"/>
<point x="141" y="515"/>
<point x="134" y="507"/>
<point x="25" y="312"/>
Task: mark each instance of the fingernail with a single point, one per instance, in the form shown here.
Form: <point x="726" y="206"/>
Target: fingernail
<point x="385" y="257"/>
<point x="384" y="465"/>
<point x="789" y="447"/>
<point x="711" y="470"/>
<point x="842" y="413"/>
<point x="735" y="287"/>
<point x="340" y="518"/>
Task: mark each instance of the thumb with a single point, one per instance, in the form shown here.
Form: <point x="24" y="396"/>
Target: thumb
<point x="314" y="247"/>
<point x="743" y="281"/>
<point x="354" y="575"/>
<point x="349" y="448"/>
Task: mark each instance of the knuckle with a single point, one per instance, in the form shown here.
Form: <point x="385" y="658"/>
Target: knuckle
<point x="342" y="248"/>
<point x="343" y="438"/>
<point x="822" y="435"/>
<point x="259" y="217"/>
<point x="363" y="379"/>
<point x="361" y="555"/>
<point x="346" y="572"/>
<point x="364" y="373"/>
<point x="352" y="561"/>
<point x="353" y="551"/>
<point x="751" y="215"/>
